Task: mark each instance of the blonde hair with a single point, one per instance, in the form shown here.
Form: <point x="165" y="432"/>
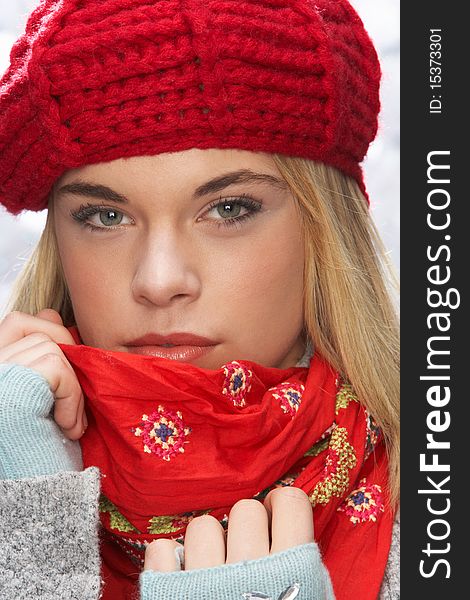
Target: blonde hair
<point x="348" y="308"/>
<point x="41" y="283"/>
<point x="348" y="299"/>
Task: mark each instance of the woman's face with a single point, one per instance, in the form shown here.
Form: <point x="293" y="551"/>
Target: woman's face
<point x="201" y="242"/>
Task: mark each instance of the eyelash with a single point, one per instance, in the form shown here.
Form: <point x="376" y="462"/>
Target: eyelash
<point x="253" y="206"/>
<point x="89" y="210"/>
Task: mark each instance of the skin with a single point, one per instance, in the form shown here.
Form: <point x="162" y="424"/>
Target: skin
<point x="172" y="265"/>
<point x="165" y="259"/>
<point x="286" y="512"/>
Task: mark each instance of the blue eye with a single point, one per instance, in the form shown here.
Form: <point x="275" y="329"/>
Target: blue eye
<point x="99" y="218"/>
<point x="110" y="217"/>
<point x="229" y="210"/>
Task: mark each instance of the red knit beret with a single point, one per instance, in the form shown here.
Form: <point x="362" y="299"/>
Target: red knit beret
<point x="95" y="80"/>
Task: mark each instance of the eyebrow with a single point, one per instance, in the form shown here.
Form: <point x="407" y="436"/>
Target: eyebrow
<point x="240" y="176"/>
<point x="246" y="176"/>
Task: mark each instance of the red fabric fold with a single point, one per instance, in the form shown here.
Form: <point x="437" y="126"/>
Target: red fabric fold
<point x="173" y="441"/>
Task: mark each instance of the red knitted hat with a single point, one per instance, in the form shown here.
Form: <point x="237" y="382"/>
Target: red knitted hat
<point x="95" y="80"/>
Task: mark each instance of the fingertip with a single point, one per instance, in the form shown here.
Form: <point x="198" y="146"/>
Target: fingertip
<point x="75" y="431"/>
<point x="289" y="490"/>
<point x="286" y="494"/>
<point x="62" y="336"/>
<point x="164" y="555"/>
<point x="74" y="434"/>
<point x="49" y="314"/>
<point x="150" y="560"/>
<point x="292" y="518"/>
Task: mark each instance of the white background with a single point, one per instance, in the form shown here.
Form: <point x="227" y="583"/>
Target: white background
<point x="381" y="18"/>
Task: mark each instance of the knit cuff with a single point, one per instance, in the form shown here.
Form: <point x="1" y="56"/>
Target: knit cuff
<point x="31" y="444"/>
<point x="270" y="575"/>
<point x="48" y="537"/>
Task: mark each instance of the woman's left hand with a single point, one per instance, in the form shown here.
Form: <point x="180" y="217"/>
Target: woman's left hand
<point x="254" y="530"/>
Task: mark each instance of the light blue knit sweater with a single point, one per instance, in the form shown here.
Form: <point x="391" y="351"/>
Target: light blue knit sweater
<point x="49" y="520"/>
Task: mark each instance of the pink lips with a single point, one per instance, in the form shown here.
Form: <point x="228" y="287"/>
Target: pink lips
<point x="185" y="347"/>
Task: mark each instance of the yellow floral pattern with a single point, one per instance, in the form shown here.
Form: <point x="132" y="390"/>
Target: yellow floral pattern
<point x="172" y="523"/>
<point x="116" y="519"/>
<point x="344" y="396"/>
<point x="340" y="460"/>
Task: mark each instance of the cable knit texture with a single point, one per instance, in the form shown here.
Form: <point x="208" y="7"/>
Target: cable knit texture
<point x="93" y="81"/>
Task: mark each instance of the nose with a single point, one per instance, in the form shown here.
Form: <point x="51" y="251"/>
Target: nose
<point x="165" y="271"/>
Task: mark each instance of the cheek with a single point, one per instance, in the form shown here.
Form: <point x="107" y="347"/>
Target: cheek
<point x="94" y="284"/>
<point x="266" y="277"/>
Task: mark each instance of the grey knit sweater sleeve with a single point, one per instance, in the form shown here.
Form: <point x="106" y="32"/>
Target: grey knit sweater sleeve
<point x="48" y="537"/>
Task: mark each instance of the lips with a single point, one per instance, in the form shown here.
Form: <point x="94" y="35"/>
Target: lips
<point x="175" y="339"/>
<point x="184" y="347"/>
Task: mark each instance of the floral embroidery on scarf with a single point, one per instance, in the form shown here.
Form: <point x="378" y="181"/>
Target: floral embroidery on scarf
<point x="289" y="395"/>
<point x="237" y="382"/>
<point x="116" y="519"/>
<point x="373" y="433"/>
<point x="341" y="458"/>
<point x="163" y="433"/>
<point x="172" y="523"/>
<point x="364" y="504"/>
<point x="344" y="395"/>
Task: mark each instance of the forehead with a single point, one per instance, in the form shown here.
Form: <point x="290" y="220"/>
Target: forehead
<point x="173" y="170"/>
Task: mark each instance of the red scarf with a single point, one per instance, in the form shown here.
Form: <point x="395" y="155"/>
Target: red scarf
<point x="174" y="441"/>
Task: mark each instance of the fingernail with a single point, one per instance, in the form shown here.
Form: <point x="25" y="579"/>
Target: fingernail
<point x="85" y="422"/>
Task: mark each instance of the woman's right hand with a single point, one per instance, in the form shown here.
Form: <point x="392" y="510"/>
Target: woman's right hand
<point x="31" y="341"/>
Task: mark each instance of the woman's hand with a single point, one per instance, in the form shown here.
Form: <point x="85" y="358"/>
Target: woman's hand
<point x="285" y="518"/>
<point x="31" y="341"/>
